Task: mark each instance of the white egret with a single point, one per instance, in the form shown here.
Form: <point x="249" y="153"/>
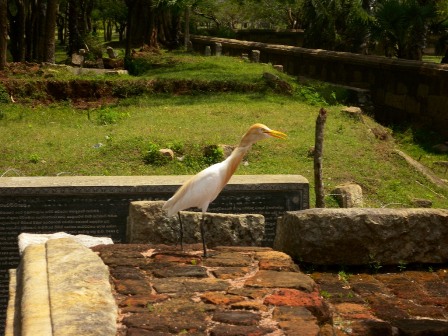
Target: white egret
<point x="200" y="190"/>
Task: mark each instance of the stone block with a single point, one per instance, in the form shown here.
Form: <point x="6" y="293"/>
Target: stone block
<point x="395" y="100"/>
<point x="412" y="105"/>
<point x="81" y="299"/>
<point x="218" y="49"/>
<point x="111" y="52"/>
<point x="422" y="90"/>
<point x="167" y="153"/>
<point x="147" y="223"/>
<point x="278" y="67"/>
<point x="421" y="203"/>
<point x="77" y="60"/>
<point x="348" y="195"/>
<point x="359" y="236"/>
<point x="402" y="88"/>
<point x="358" y="76"/>
<point x="255" y="56"/>
<point x="27" y="239"/>
<point x="437" y="105"/>
<point x="61" y="288"/>
<point x="35" y="307"/>
<point x="353" y="112"/>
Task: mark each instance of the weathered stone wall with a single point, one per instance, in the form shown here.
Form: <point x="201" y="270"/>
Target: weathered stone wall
<point x="401" y="90"/>
<point x="287" y="37"/>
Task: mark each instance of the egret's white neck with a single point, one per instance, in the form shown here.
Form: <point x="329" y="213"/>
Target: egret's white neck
<point x="234" y="160"/>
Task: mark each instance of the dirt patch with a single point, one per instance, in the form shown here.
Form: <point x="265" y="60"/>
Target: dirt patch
<point x="37" y="84"/>
<point x="21" y="69"/>
<point x="95" y="90"/>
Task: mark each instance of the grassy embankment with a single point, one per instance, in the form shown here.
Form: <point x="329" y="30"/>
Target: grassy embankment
<point x="114" y="139"/>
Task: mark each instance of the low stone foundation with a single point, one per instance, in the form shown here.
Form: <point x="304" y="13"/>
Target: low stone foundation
<point x="62" y="288"/>
<point x="362" y="236"/>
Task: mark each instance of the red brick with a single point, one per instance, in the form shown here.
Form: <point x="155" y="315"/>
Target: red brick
<point x="142" y="300"/>
<point x="353" y="311"/>
<point x="220" y="298"/>
<point x="295" y="298"/>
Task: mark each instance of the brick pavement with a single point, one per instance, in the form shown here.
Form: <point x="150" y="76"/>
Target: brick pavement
<point x="258" y="291"/>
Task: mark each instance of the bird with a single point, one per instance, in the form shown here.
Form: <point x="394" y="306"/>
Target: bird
<point x="203" y="188"/>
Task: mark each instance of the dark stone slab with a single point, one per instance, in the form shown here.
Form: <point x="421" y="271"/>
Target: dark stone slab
<point x="98" y="206"/>
<point x="228" y="260"/>
<point x="237" y="317"/>
<point x="181" y="271"/>
<point x="271" y="279"/>
<point x="415" y="327"/>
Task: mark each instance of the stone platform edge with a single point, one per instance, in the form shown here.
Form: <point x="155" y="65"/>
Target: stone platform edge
<point x="129" y="181"/>
<point x="72" y="297"/>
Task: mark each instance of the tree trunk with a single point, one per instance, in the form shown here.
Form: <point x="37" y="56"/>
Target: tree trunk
<point x="52" y="11"/>
<point x="3" y="32"/>
<point x="30" y="29"/>
<point x="130" y="5"/>
<point x="17" y="32"/>
<point x="121" y="27"/>
<point x="138" y="23"/>
<point x="152" y="29"/>
<point x="108" y="31"/>
<point x="74" y="37"/>
<point x="318" y="154"/>
<point x="61" y="28"/>
<point x="41" y="19"/>
<point x="187" y="27"/>
<point x="104" y="30"/>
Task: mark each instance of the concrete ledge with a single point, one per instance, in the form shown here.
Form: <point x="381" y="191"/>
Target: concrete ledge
<point x="360" y="236"/>
<point x="61" y="288"/>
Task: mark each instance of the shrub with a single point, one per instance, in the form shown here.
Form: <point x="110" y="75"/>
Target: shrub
<point x="4" y="96"/>
<point x="137" y="66"/>
<point x="177" y="147"/>
<point x="108" y="116"/>
<point x="34" y="158"/>
<point x="153" y="156"/>
<point x="213" y="154"/>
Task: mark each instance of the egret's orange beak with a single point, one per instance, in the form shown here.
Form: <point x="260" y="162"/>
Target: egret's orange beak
<point x="276" y="134"/>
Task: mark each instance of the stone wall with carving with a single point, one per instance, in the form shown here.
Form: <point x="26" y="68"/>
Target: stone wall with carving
<point x="401" y="90"/>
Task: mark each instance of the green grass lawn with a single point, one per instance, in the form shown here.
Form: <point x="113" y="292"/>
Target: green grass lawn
<point x="54" y="140"/>
<point x="60" y="139"/>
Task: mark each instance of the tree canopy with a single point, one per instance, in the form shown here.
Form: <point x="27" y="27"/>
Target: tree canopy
<point x="397" y="27"/>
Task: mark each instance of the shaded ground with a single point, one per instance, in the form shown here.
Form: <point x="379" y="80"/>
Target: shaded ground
<point x="257" y="291"/>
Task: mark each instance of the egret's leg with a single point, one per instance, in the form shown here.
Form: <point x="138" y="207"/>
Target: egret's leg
<point x="203" y="235"/>
<point x="181" y="234"/>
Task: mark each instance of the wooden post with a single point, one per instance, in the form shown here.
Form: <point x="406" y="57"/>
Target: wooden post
<point x="318" y="153"/>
